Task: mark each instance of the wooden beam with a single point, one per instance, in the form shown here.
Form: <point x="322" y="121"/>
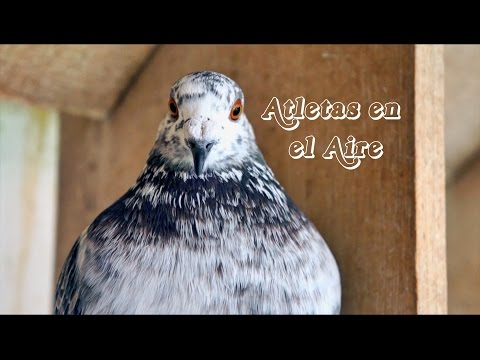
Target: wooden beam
<point x="373" y="218"/>
<point x="79" y="79"/>
<point x="430" y="181"/>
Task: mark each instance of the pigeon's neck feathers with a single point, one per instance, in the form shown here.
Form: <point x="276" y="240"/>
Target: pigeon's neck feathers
<point x="166" y="203"/>
<point x="251" y="174"/>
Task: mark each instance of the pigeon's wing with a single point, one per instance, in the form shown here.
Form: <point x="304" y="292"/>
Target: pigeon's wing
<point x="67" y="300"/>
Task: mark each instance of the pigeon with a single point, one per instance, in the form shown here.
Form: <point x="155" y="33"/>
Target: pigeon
<point x="206" y="228"/>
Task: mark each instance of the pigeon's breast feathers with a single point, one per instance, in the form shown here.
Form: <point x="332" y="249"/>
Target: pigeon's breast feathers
<point x="205" y="128"/>
<point x="206" y="228"/>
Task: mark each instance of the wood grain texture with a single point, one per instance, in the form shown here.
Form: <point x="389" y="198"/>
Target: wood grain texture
<point x="78" y="79"/>
<point x="430" y="180"/>
<point x="367" y="216"/>
<point x="80" y="170"/>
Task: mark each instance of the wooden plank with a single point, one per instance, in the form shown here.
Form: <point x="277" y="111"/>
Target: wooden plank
<point x="81" y="144"/>
<point x="430" y="181"/>
<point x="79" y="79"/>
<point x="367" y="215"/>
<point x="28" y="208"/>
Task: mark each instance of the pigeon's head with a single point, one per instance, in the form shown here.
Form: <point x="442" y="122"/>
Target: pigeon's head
<point x="205" y="127"/>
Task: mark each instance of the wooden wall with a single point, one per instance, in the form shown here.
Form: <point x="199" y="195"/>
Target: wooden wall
<point x="384" y="221"/>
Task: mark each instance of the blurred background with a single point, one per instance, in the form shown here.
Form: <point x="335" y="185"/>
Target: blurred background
<point x="77" y="122"/>
<point x="462" y="150"/>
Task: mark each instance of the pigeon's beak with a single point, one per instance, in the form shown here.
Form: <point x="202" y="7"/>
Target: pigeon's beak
<point x="200" y="150"/>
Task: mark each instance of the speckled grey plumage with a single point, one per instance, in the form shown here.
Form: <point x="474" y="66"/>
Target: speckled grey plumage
<point x="228" y="241"/>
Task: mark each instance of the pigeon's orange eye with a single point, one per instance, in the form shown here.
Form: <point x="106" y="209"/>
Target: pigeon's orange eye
<point x="172" y="105"/>
<point x="236" y="110"/>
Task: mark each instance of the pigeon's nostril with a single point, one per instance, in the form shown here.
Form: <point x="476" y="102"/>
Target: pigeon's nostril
<point x="192" y="144"/>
